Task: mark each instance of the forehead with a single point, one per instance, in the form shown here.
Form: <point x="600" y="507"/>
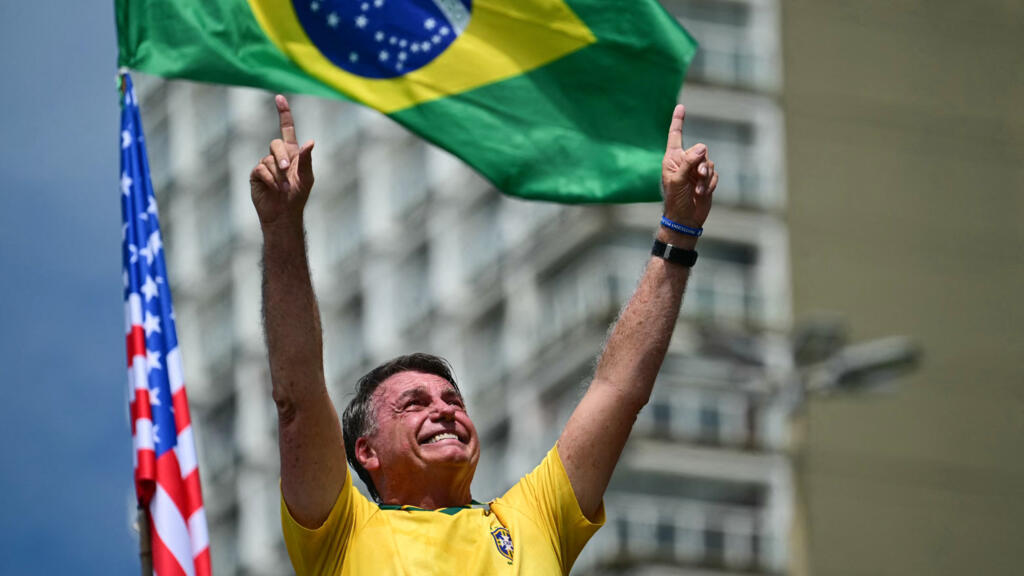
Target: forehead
<point x="410" y="382"/>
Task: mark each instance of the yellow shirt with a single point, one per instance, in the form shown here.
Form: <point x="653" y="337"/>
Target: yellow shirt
<point x="535" y="529"/>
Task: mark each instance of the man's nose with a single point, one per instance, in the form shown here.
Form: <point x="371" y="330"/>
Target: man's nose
<point x="444" y="410"/>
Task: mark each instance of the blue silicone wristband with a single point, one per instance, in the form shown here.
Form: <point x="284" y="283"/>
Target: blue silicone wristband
<point x="696" y="232"/>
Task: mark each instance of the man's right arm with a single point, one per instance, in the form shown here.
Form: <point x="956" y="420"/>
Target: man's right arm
<point x="313" y="464"/>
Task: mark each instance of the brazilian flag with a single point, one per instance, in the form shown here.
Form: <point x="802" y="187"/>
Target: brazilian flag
<point x="564" y="100"/>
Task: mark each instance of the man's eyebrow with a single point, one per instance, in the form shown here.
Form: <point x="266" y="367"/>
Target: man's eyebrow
<point x="417" y="391"/>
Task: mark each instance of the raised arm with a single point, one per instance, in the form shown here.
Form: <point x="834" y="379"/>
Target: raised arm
<point x="312" y="451"/>
<point x="597" y="431"/>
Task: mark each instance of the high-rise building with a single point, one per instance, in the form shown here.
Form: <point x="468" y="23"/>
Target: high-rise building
<point x="410" y="250"/>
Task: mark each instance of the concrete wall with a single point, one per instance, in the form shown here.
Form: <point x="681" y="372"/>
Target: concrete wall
<point x="905" y="136"/>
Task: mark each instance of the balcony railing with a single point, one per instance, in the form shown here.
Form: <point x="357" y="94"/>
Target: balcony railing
<point x="688" y="533"/>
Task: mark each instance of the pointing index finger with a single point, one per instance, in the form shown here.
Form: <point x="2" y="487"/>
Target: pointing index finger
<point x="284" y="114"/>
<point x="675" y="129"/>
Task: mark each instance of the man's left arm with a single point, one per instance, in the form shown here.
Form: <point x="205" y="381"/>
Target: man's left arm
<point x="597" y="431"/>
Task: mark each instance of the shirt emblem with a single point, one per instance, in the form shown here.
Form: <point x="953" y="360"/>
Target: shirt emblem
<point x="503" y="542"/>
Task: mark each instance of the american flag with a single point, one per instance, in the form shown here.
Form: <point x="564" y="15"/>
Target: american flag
<point x="166" y="470"/>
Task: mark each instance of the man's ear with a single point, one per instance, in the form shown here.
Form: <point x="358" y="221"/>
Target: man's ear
<point x="366" y="455"/>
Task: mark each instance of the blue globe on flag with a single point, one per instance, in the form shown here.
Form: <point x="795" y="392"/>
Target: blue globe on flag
<point x="382" y="38"/>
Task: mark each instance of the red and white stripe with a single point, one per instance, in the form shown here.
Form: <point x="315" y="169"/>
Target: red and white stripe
<point x="168" y="485"/>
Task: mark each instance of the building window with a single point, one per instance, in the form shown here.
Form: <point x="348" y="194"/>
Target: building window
<point x="525" y="219"/>
<point x="216" y="228"/>
<point x="687" y="532"/>
<point x="346" y="225"/>
<point x="737" y="47"/>
<point x="724" y="287"/>
<point x="709" y="424"/>
<point x="482" y="236"/>
<point x="732" y="148"/>
<point x="218" y="436"/>
<point x="699" y="415"/>
<point x="413" y="289"/>
<point x="224" y="555"/>
<point x="408" y="185"/>
<point x="344" y="346"/>
<point x="213" y="116"/>
<point x="485" y="361"/>
<point x="218" y="333"/>
<point x="573" y="298"/>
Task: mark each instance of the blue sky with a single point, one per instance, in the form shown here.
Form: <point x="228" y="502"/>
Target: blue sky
<point x="65" y="481"/>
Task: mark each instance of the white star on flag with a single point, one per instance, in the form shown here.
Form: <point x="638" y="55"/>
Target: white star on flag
<point x="155" y="243"/>
<point x="361" y="21"/>
<point x="378" y="3"/>
<point x="154" y="397"/>
<point x="151" y="323"/>
<point x="153" y="361"/>
<point x="148" y="253"/>
<point x="149" y="288"/>
<point x="332" y="20"/>
<point x="383" y="56"/>
<point x="126" y="139"/>
<point x="314" y="6"/>
<point x="151" y="207"/>
<point x="429" y="23"/>
<point x="133" y="253"/>
<point x="379" y="36"/>
<point x="126" y="183"/>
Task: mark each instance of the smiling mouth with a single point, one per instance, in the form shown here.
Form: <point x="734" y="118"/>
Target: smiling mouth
<point x="442" y="436"/>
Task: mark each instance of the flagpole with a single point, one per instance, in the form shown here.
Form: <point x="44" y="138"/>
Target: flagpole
<point x="145" y="541"/>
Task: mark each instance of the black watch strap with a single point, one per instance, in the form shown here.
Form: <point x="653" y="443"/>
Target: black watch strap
<point x="672" y="254"/>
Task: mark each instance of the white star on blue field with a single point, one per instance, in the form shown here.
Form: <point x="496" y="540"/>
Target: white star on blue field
<point x="384" y="39"/>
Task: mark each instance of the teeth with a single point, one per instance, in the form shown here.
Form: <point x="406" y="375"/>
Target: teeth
<point x="443" y="436"/>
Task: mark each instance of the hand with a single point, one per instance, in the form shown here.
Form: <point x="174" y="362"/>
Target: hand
<point x="688" y="177"/>
<point x="281" y="182"/>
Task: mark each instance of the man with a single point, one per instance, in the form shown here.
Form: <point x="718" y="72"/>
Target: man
<point x="407" y="432"/>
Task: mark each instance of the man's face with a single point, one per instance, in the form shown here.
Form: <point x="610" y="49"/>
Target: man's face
<point x="422" y="424"/>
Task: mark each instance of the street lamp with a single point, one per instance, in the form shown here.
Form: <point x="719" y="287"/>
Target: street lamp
<point x="863" y="366"/>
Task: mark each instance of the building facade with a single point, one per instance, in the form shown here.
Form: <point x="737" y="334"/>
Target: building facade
<point x="906" y="136"/>
<point x="411" y="250"/>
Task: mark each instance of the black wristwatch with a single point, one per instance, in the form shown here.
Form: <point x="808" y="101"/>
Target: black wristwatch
<point x="672" y="254"/>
